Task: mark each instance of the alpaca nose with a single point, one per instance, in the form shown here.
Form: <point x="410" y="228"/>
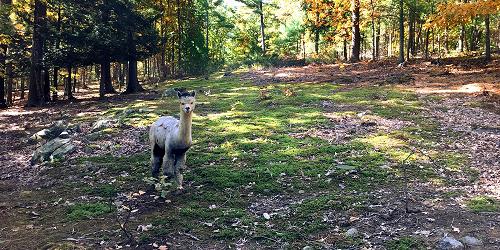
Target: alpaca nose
<point x="188" y="109"/>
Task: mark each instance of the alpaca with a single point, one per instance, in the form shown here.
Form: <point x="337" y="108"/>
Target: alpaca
<point x="170" y="139"/>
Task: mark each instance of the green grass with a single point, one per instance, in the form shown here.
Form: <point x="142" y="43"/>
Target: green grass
<point x="483" y="204"/>
<point x="83" y="211"/>
<point x="405" y="243"/>
<point x="246" y="150"/>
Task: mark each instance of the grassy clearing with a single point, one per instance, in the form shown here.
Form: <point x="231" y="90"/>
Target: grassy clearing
<point x="244" y="153"/>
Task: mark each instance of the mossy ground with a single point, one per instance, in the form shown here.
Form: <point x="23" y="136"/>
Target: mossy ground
<point x="246" y="161"/>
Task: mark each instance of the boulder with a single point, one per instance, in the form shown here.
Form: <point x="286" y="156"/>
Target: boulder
<point x="55" y="148"/>
<point x="471" y="241"/>
<point x="103" y="124"/>
<point x="51" y="132"/>
<point x="60" y="152"/>
<point x="448" y="243"/>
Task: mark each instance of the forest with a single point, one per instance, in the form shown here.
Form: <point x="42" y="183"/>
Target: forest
<point x="309" y="124"/>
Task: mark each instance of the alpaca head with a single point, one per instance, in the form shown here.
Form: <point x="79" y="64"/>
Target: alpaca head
<point x="187" y="101"/>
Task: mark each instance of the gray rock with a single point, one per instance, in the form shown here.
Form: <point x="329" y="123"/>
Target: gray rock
<point x="64" y="135"/>
<point x="63" y="150"/>
<point x="352" y="232"/>
<point x="103" y="124"/>
<point x="308" y="248"/>
<point x="471" y="241"/>
<point x="45" y="152"/>
<point x="51" y="132"/>
<point x="169" y="92"/>
<point x="449" y="242"/>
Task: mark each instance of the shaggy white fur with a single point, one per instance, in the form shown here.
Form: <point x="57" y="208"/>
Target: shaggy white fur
<point x="170" y="139"/>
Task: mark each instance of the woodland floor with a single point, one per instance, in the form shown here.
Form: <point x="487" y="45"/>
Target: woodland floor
<point x="318" y="148"/>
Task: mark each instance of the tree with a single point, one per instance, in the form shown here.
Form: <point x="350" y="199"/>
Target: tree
<point x="356" y="34"/>
<point x="36" y="84"/>
<point x="258" y="7"/>
<point x="401" y="33"/>
<point x="487" y="40"/>
<point x="5" y="24"/>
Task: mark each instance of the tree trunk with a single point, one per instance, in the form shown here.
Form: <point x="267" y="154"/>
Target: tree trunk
<point x="133" y="85"/>
<point x="179" y="36"/>
<point x="35" y="95"/>
<point x="58" y="43"/>
<point x="389" y="47"/>
<point x="75" y="72"/>
<point x="401" y="33"/>
<point x="461" y="42"/>
<point x="262" y="27"/>
<point x="68" y="89"/>
<point x="316" y="41"/>
<point x="377" y="40"/>
<point x="3" y="53"/>
<point x="427" y="44"/>
<point x="10" y="80"/>
<point x="3" y="65"/>
<point x="487" y="41"/>
<point x="46" y="84"/>
<point x="105" y="84"/>
<point x="345" y="49"/>
<point x="374" y="35"/>
<point x="22" y="88"/>
<point x="356" y="35"/>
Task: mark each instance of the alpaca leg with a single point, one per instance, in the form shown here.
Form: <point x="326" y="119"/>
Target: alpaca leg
<point x="179" y="165"/>
<point x="168" y="165"/>
<point x="156" y="159"/>
<point x="156" y="164"/>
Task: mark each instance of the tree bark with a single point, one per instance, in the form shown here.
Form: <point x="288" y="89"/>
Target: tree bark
<point x="401" y="33"/>
<point x="345" y="49"/>
<point x="487" y="41"/>
<point x="377" y="40"/>
<point x="133" y="85"/>
<point x="22" y="88"/>
<point x="262" y="27"/>
<point x="46" y="84"/>
<point x="35" y="95"/>
<point x="427" y="44"/>
<point x="68" y="89"/>
<point x="10" y="80"/>
<point x="356" y="35"/>
<point x="3" y="53"/>
<point x="374" y="35"/>
<point x="105" y="84"/>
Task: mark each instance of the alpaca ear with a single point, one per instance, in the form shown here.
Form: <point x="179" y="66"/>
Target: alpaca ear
<point x="193" y="93"/>
<point x="179" y="94"/>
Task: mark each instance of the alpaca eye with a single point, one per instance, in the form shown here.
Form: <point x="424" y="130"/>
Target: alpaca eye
<point x="183" y="104"/>
<point x="191" y="103"/>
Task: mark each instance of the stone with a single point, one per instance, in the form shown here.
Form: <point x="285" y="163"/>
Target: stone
<point x="471" y="241"/>
<point x="51" y="132"/>
<point x="64" y="135"/>
<point x="449" y="242"/>
<point x="45" y="152"/>
<point x="308" y="248"/>
<point x="62" y="151"/>
<point x="352" y="232"/>
<point x="103" y="124"/>
<point x="266" y="216"/>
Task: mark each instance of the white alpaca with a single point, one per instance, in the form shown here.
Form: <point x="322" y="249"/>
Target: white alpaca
<point x="170" y="138"/>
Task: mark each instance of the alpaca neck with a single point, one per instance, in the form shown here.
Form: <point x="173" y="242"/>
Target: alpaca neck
<point x="185" y="128"/>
